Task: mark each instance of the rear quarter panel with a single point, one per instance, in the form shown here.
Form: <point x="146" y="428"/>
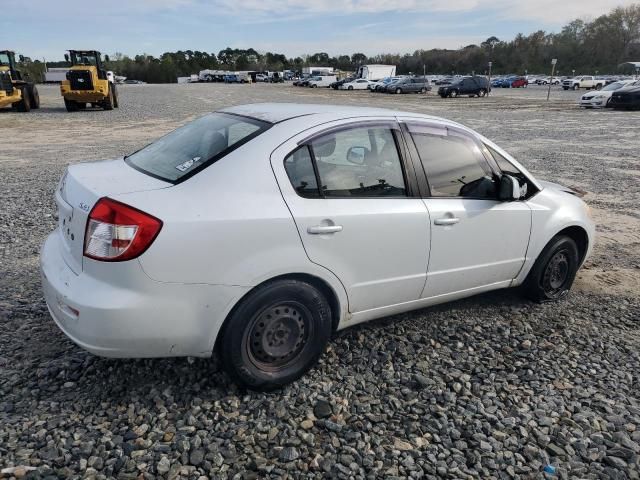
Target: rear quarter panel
<point x="227" y="225"/>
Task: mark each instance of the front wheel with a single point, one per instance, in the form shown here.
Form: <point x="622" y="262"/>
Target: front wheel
<point x="482" y="93"/>
<point x="398" y="90"/>
<point x="575" y="87"/>
<point x="453" y="94"/>
<point x="275" y="335"/>
<point x="554" y="271"/>
<point x="423" y="90"/>
<point x="350" y="87"/>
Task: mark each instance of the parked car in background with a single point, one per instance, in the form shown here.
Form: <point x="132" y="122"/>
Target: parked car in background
<point x="444" y="81"/>
<point x="602" y="98"/>
<point x="471" y="86"/>
<point x="547" y="80"/>
<point x="408" y="85"/>
<point x="335" y="226"/>
<point x="516" y="82"/>
<point x="357" y="84"/>
<point x="261" y="77"/>
<point x="232" y="79"/>
<point x="584" y="81"/>
<point x="325" y="81"/>
<point x="380" y="84"/>
<point x="299" y="81"/>
<point x="336" y="85"/>
<point x="626" y="98"/>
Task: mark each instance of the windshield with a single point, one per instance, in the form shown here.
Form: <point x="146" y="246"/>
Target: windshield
<point x="4" y="59"/>
<point x="190" y="148"/>
<point x="613" y="86"/>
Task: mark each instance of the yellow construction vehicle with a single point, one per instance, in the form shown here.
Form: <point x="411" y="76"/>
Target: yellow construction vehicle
<point x="87" y="82"/>
<point x="15" y="89"/>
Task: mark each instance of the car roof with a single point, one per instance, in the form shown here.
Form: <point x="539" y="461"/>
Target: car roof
<point x="280" y="112"/>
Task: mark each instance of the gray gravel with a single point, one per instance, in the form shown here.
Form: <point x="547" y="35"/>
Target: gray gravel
<point x="489" y="387"/>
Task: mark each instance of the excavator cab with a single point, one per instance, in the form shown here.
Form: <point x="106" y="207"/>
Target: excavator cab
<point x="87" y="82"/>
<point x="15" y="89"/>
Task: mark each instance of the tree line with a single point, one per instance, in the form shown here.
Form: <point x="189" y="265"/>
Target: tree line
<point x="587" y="47"/>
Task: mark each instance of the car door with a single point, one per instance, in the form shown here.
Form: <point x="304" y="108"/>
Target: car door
<point x="350" y="195"/>
<point x="476" y="240"/>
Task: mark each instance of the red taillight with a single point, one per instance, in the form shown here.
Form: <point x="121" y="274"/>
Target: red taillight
<point x="116" y="232"/>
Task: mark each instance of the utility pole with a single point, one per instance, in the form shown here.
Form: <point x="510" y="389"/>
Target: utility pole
<point x="489" y="86"/>
<point x="424" y="75"/>
<point x="553" y="69"/>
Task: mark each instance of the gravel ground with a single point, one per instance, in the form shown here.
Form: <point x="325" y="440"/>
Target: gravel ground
<point x="489" y="387"/>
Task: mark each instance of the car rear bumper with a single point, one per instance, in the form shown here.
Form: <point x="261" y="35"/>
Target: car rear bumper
<point x="135" y="317"/>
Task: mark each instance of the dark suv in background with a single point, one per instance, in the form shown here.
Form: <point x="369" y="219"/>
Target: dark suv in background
<point x="472" y="86"/>
<point x="408" y="85"/>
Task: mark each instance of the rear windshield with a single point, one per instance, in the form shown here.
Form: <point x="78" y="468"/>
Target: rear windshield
<point x="187" y="150"/>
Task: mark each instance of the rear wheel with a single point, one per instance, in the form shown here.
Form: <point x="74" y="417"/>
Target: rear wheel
<point x="398" y="90"/>
<point x="34" y="96"/>
<point x="453" y="93"/>
<point x="555" y="269"/>
<point x="350" y="87"/>
<point x="482" y="92"/>
<point x="275" y="335"/>
<point x="24" y="105"/>
<point x="115" y="95"/>
<point x="423" y="90"/>
<point x="71" y="105"/>
<point x="575" y="87"/>
<point x="107" y="103"/>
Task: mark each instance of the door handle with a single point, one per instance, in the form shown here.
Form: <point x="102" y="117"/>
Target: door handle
<point x="446" y="221"/>
<point x="322" y="229"/>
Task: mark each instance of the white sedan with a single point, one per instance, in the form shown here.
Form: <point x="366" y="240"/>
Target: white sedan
<point x="601" y="98"/>
<point x="258" y="230"/>
<point x="358" y="84"/>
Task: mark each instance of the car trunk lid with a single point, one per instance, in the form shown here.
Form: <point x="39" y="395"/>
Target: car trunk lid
<point x="81" y="186"/>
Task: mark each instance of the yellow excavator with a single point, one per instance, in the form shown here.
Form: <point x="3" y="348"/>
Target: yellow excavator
<point x="88" y="82"/>
<point x="15" y="90"/>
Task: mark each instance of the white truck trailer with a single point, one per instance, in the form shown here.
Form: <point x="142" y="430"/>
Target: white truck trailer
<point x="376" y="72"/>
<point x="313" y="71"/>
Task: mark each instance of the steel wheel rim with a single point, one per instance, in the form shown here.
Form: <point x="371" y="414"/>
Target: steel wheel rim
<point x="556" y="273"/>
<point x="277" y="335"/>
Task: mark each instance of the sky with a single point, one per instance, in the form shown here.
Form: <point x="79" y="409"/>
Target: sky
<point x="46" y="28"/>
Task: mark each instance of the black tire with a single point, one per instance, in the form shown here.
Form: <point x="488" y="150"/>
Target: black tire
<point x="423" y="90"/>
<point x="350" y="87"/>
<point x="107" y="103"/>
<point x="554" y="271"/>
<point x="398" y="90"/>
<point x="453" y="93"/>
<point x="293" y="315"/>
<point x="81" y="105"/>
<point x="482" y="92"/>
<point x="34" y="96"/>
<point x="115" y="95"/>
<point x="576" y="87"/>
<point x="70" y="105"/>
<point x="24" y="105"/>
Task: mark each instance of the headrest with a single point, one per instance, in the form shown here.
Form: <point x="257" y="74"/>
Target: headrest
<point x="324" y="147"/>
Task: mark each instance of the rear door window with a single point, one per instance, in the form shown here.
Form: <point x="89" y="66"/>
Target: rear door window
<point x="190" y="148"/>
<point x="359" y="162"/>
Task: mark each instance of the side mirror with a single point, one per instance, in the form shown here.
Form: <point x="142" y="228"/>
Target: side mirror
<point x="509" y="189"/>
<point x="356" y="155"/>
<point x="106" y="58"/>
<point x="66" y="57"/>
<point x="21" y="58"/>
